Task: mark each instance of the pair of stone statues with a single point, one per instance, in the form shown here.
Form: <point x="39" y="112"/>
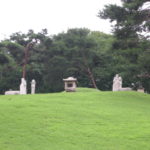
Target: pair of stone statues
<point x="23" y="86"/>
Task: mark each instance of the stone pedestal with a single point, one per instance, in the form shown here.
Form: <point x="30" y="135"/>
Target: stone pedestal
<point x="140" y="90"/>
<point x="10" y="92"/>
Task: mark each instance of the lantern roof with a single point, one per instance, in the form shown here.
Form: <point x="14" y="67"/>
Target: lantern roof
<point x="70" y="79"/>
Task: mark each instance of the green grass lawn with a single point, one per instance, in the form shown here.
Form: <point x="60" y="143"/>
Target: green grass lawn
<point x="75" y="121"/>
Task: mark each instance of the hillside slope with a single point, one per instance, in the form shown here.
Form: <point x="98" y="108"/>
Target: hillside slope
<point x="75" y="121"/>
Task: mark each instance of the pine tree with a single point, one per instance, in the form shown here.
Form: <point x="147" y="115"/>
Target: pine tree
<point x="131" y="30"/>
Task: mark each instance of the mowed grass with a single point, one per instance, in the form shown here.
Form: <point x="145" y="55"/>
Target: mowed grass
<point x="75" y="121"/>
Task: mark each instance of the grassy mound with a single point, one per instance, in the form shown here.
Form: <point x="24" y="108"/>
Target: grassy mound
<point x="81" y="89"/>
<point x="75" y="121"/>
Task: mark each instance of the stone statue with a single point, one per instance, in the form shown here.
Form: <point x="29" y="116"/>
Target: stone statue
<point x="117" y="83"/>
<point x="23" y="86"/>
<point x="33" y="84"/>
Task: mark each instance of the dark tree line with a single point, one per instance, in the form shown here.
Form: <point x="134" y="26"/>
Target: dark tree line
<point x="92" y="57"/>
<point x="78" y="52"/>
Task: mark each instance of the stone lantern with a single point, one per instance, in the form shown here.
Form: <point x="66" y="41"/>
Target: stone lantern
<point x="70" y="84"/>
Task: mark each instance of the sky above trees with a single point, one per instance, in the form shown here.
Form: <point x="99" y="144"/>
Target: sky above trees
<point x="55" y="15"/>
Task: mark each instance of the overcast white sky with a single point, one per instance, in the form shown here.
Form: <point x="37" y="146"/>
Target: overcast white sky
<point x="55" y="15"/>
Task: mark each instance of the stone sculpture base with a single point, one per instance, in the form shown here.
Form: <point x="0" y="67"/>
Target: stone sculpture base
<point x="12" y="92"/>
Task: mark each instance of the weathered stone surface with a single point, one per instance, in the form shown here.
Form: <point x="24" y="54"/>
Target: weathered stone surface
<point x="23" y="86"/>
<point x="125" y="89"/>
<point x="33" y="85"/>
<point x="140" y="90"/>
<point x="117" y="83"/>
<point x="70" y="84"/>
<point x="12" y="92"/>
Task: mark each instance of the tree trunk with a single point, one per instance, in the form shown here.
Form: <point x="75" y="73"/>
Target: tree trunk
<point x="26" y="51"/>
<point x="90" y="74"/>
<point x="25" y="62"/>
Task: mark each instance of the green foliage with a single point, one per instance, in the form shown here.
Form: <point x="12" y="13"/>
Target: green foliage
<point x="56" y="70"/>
<point x="90" y="56"/>
<point x="82" y="49"/>
<point x="103" y="41"/>
<point x="3" y="59"/>
<point x="130" y="48"/>
<point x="79" y="52"/>
<point x="133" y="16"/>
<point x="9" y="69"/>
